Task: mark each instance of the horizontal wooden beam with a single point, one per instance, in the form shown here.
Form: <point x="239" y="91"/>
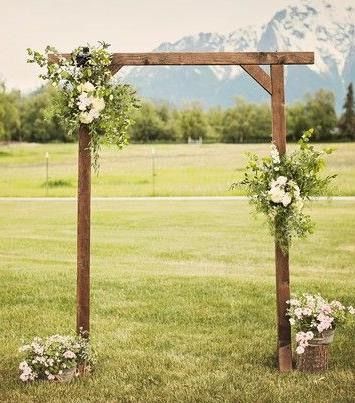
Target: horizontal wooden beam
<point x="211" y="58"/>
<point x="259" y="75"/>
<point x="204" y="58"/>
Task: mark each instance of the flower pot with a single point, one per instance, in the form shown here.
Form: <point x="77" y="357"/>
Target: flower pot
<point x="314" y="359"/>
<point x="83" y="369"/>
<point x="326" y="337"/>
<point x="67" y="375"/>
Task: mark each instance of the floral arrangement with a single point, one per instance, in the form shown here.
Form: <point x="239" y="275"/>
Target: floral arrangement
<point x="312" y="315"/>
<point x="87" y="94"/>
<point x="51" y="357"/>
<point x="279" y="185"/>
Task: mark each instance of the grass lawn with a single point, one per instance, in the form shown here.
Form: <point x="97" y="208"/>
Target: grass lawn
<point x="180" y="169"/>
<point x="183" y="299"/>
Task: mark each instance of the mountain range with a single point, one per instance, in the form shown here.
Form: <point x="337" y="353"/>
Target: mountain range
<point x="323" y="26"/>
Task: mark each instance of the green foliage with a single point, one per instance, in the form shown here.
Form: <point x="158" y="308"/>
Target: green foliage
<point x="155" y="123"/>
<point x="278" y="186"/>
<point x="34" y="117"/>
<point x="317" y="111"/>
<point x="193" y="123"/>
<point x="37" y="125"/>
<point x="346" y="124"/>
<point x="246" y="122"/>
<point x="87" y="95"/>
<point x="57" y="183"/>
<point x="9" y="113"/>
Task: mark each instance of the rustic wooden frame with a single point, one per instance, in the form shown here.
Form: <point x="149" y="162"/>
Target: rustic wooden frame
<point x="273" y="83"/>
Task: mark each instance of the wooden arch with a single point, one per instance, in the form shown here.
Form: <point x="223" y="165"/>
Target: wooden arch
<point x="273" y="83"/>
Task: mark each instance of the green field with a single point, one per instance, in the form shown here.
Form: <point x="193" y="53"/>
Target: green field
<point x="183" y="294"/>
<point x="180" y="169"/>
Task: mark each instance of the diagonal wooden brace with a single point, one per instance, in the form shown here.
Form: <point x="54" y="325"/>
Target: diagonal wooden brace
<point x="259" y="75"/>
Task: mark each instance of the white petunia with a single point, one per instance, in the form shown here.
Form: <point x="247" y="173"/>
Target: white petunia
<point x="300" y="350"/>
<point x="23" y="365"/>
<point x="69" y="354"/>
<point x="24" y="377"/>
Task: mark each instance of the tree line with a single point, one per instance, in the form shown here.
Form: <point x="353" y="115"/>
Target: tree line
<point x="23" y="118"/>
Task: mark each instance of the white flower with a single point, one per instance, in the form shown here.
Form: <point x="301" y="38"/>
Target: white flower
<point x="292" y="321"/>
<point x="94" y="113"/>
<point x="85" y="118"/>
<point x="281" y="180"/>
<point x="299" y="312"/>
<point x="300" y="350"/>
<point x="351" y="310"/>
<point x="51" y="377"/>
<point x="337" y="305"/>
<point x="38" y="349"/>
<point x="286" y="200"/>
<point x="326" y="308"/>
<point x="276" y="194"/>
<point x="294" y="302"/>
<point x="97" y="103"/>
<point x="83" y="101"/>
<point x="307" y="311"/>
<point x="24" y="377"/>
<point x="86" y="87"/>
<point x="69" y="354"/>
<point x="27" y="370"/>
<point x="23" y="365"/>
<point x="275" y="154"/>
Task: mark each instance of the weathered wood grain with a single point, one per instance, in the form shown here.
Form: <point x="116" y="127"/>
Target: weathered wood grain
<point x="83" y="231"/>
<point x="281" y="258"/>
<point x="204" y="58"/>
<point x="259" y="75"/>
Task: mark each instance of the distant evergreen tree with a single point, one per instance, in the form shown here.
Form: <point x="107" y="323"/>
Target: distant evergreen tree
<point x="346" y="124"/>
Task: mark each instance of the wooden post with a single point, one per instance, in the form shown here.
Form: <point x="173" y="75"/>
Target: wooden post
<point x="284" y="351"/>
<point x="83" y="234"/>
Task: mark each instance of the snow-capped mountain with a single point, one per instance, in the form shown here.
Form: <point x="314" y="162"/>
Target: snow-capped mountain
<point x="323" y="26"/>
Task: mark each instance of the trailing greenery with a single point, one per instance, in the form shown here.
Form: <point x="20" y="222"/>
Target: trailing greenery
<point x="279" y="185"/>
<point x="87" y="95"/>
<point x="346" y="124"/>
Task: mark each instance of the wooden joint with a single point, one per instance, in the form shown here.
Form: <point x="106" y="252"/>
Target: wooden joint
<point x="115" y="68"/>
<point x="259" y="75"/>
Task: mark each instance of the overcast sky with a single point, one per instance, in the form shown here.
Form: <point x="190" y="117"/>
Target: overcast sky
<point x="129" y="25"/>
